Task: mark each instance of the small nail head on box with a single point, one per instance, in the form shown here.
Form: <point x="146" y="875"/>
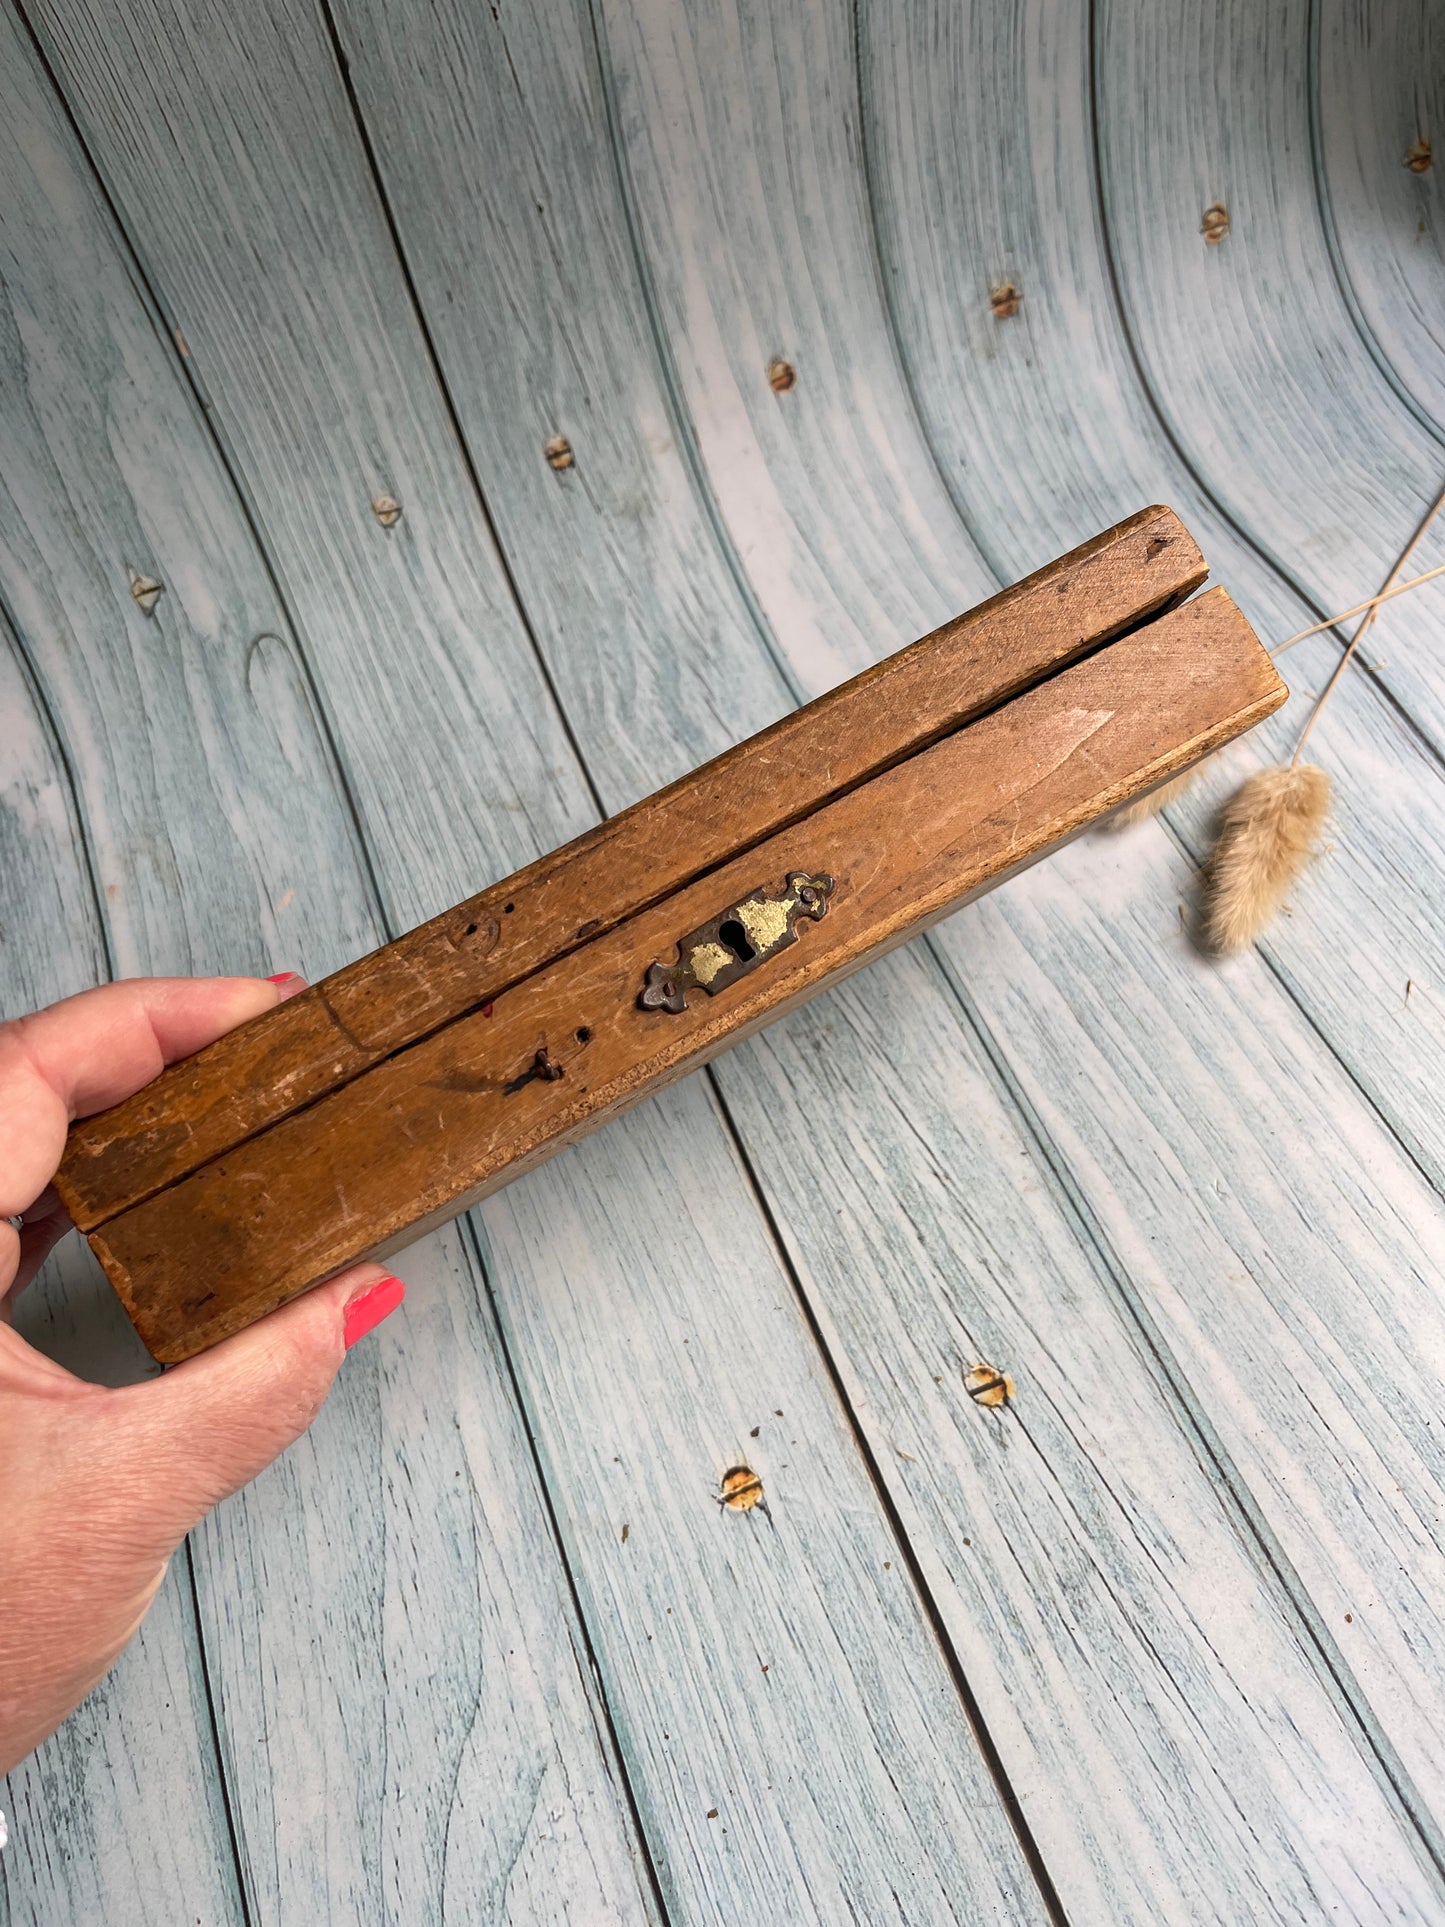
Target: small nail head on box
<point x="386" y="509"/>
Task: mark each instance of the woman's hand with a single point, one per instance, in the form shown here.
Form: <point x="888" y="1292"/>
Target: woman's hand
<point x="98" y="1487"/>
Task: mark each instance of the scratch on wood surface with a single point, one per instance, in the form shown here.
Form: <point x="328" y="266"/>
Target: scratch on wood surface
<point x="323" y="998"/>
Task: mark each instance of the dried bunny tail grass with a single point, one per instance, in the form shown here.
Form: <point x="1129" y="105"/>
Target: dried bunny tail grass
<point x="1269" y="831"/>
<point x="1143" y="807"/>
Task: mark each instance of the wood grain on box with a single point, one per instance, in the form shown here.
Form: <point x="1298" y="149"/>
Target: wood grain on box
<point x="434" y="1127"/>
<point x="314" y="1042"/>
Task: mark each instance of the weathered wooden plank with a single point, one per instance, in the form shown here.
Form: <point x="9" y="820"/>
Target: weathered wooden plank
<point x="418" y="1737"/>
<point x="1004" y="197"/>
<point x="1384" y="467"/>
<point x="222" y="838"/>
<point x="43" y="881"/>
<point x="1378" y="84"/>
<point x="1296" y="1288"/>
<point x="1326" y="467"/>
<point x="764" y="251"/>
<point x="789" y="1731"/>
<point x="1011" y="194"/>
<point x="332" y="406"/>
<point x="1357" y="934"/>
<point x="191" y="730"/>
<point x="1093" y="1588"/>
<point x="170" y="172"/>
<point x="436" y="1128"/>
<point x="490" y="133"/>
<point x="84" y="1811"/>
<point x="316" y="1042"/>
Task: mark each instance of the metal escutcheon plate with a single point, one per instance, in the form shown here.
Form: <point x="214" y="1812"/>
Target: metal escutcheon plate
<point x="736" y="941"/>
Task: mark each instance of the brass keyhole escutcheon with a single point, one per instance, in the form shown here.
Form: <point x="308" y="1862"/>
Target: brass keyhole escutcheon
<point x="736" y="941"/>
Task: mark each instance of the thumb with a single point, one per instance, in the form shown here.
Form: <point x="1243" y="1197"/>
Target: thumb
<point x="209" y="1425"/>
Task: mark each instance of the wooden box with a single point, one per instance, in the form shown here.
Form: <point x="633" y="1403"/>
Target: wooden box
<point x="410" y="1084"/>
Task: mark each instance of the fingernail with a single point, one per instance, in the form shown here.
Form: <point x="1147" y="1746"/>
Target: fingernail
<point x="366" y="1311"/>
<point x="288" y="983"/>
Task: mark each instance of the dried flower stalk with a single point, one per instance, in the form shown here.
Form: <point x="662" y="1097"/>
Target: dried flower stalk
<point x="1271" y="828"/>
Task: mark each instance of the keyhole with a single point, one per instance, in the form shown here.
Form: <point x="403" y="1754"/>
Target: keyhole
<point x="736" y="939"/>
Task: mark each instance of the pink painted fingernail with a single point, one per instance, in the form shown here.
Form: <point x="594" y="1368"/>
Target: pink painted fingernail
<point x="288" y="983"/>
<point x="366" y="1311"/>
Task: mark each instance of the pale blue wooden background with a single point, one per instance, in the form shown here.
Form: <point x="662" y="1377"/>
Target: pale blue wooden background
<point x="1163" y="1642"/>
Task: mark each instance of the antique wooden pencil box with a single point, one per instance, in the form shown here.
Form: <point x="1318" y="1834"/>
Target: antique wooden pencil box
<point x="408" y="1085"/>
